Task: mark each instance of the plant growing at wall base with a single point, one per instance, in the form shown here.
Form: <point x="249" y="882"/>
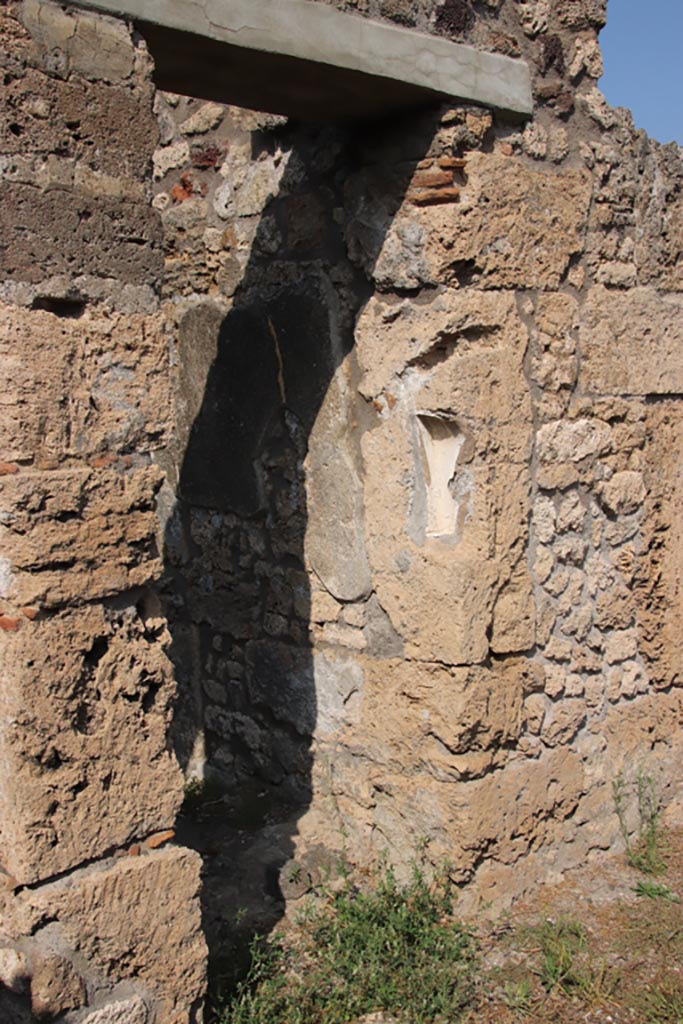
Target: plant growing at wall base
<point x="394" y="949"/>
<point x="645" y="853"/>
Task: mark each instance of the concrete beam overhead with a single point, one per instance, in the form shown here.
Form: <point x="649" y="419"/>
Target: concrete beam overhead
<point x="308" y="59"/>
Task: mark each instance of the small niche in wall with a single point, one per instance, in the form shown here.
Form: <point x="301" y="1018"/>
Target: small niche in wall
<point x="440" y="441"/>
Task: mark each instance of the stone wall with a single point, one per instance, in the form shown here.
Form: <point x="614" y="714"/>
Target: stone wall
<point x="88" y="776"/>
<point x="431" y="603"/>
<point x="366" y="441"/>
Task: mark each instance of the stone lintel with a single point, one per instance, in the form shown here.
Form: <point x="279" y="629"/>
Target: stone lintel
<point x="307" y="59"/>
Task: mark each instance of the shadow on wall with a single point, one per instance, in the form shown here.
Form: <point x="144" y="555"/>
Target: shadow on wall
<point x="237" y="592"/>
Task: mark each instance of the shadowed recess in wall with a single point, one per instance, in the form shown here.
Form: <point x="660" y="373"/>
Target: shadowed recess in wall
<point x="237" y="588"/>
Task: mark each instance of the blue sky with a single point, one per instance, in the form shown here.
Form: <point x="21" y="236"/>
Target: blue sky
<point x="642" y="47"/>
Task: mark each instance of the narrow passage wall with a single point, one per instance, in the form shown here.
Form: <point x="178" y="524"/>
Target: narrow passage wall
<point x="95" y="912"/>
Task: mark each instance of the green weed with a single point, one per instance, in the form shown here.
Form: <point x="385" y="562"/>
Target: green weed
<point x="654" y="890"/>
<point x="662" y="1003"/>
<point x="518" y="995"/>
<point x="560" y="942"/>
<point x="645" y="853"/>
<point x="567" y="966"/>
<point x="394" y="948"/>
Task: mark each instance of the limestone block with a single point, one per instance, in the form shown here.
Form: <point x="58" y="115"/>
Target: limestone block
<point x="446" y="478"/>
<point x="136" y="918"/>
<point x="468" y="325"/>
<point x="85" y="387"/>
<point x="169" y="157"/>
<point x="438" y="595"/>
<point x="631" y="342"/>
<point x="572" y="440"/>
<point x="94" y="45"/>
<point x="621" y="645"/>
<point x="535" y="707"/>
<point x="563" y="721"/>
<point x="206" y="117"/>
<point x="514" y="615"/>
<point x="335" y="543"/>
<point x="99" y="524"/>
<point x="526" y="807"/>
<point x="86" y="706"/>
<point x="338" y="691"/>
<point x="122" y="1011"/>
<point x="571" y="513"/>
<point x="658" y="589"/>
<point x="623" y="493"/>
<point x="449" y="721"/>
<point x="513" y="227"/>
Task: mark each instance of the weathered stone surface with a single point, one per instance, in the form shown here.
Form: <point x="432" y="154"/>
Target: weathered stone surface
<point x="513" y="227"/>
<point x="100" y="524"/>
<point x="95" y="386"/>
<point x="72" y="233"/>
<point x="123" y="1011"/>
<point x="631" y="343"/>
<point x="55" y="988"/>
<point x="439" y="591"/>
<point x="339" y="690"/>
<point x="136" y="918"/>
<point x="623" y="493"/>
<point x="77" y="125"/>
<point x="133" y="1011"/>
<point x="657" y="584"/>
<point x="334" y="495"/>
<point x="86" y="709"/>
<point x="572" y="440"/>
<point x="463" y="712"/>
<point x="14" y="969"/>
<point x="95" y="46"/>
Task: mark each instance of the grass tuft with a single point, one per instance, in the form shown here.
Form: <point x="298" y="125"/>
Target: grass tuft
<point x="645" y="854"/>
<point x="394" y="949"/>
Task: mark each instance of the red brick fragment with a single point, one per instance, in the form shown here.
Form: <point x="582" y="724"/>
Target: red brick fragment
<point x="454" y="162"/>
<point x="205" y="157"/>
<point x="159" y="838"/>
<point x="135" y="850"/>
<point x="433" y="178"/>
<point x="102" y="461"/>
<point x="29" y="612"/>
<point x="7" y="468"/>
<point x="433" y="196"/>
<point x="10" y="623"/>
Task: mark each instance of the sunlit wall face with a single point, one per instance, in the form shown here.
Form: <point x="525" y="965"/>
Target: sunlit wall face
<point x="642" y="48"/>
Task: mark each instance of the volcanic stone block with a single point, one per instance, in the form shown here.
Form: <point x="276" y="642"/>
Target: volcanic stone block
<point x="86" y="705"/>
<point x="631" y="343"/>
<point x="83" y="385"/>
<point x="63" y="232"/>
<point x="136" y="918"/>
<point x="77" y="535"/>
